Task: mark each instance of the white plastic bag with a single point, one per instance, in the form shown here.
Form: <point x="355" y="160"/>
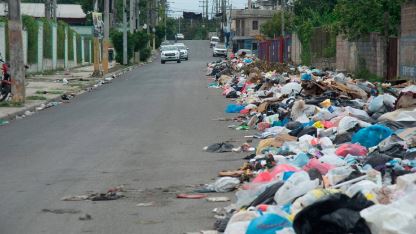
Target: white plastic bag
<point x="224" y="184"/>
<point x="297" y="185"/>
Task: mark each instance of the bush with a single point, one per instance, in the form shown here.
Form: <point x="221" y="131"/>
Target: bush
<point x="135" y="42"/>
<point x="145" y="54"/>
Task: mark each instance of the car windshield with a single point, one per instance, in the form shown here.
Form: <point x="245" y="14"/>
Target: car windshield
<point x="170" y="47"/>
<point x="220" y="46"/>
<point x="182" y="47"/>
<point x="215" y="39"/>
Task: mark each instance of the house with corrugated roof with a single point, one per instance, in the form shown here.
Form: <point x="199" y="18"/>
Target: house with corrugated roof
<point x="73" y="14"/>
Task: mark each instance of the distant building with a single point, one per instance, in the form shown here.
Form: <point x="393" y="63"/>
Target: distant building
<point x="245" y="26"/>
<point x="69" y="13"/>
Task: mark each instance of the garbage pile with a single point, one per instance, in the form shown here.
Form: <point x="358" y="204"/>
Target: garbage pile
<point x="332" y="154"/>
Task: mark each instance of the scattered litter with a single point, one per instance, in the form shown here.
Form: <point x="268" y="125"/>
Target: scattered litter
<point x="85" y="217"/>
<point x="146" y="204"/>
<point x="3" y="122"/>
<point x="61" y="211"/>
<point x="219" y="148"/>
<point x="191" y="196"/>
<point x="218" y="199"/>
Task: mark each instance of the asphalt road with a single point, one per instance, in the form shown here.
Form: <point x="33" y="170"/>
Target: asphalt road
<point x="145" y="131"/>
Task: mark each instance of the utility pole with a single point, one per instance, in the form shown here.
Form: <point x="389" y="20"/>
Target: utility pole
<point x="106" y="40"/>
<point x="96" y="45"/>
<point x="138" y="14"/>
<point x="17" y="66"/>
<point x="132" y="16"/>
<point x="125" y="58"/>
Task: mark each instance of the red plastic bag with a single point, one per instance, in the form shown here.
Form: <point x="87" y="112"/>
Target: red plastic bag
<point x="353" y="149"/>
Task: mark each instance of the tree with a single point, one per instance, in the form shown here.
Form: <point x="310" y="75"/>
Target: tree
<point x="273" y="26"/>
<point x="357" y="18"/>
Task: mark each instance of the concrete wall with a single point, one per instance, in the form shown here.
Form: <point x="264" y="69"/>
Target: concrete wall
<point x="407" y="42"/>
<point x="43" y="64"/>
<point x="295" y="49"/>
<point x="366" y="53"/>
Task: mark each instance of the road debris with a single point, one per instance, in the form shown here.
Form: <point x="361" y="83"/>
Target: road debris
<point x="61" y="211"/>
<point x="85" y="217"/>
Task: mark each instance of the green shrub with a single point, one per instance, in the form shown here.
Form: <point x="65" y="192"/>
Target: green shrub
<point x="145" y="54"/>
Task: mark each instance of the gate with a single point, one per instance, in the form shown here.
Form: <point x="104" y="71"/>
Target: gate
<point x="392" y="48"/>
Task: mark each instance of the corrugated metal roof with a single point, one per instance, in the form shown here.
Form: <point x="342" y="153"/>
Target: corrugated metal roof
<point x="72" y="11"/>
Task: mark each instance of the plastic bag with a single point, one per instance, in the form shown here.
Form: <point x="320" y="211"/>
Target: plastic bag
<point x="291" y="88"/>
<point x="309" y="198"/>
<point x="353" y="149"/>
<point x="268" y="224"/>
<point x="297" y="185"/>
<point x="349" y="122"/>
<point x="338" y="174"/>
<point x="371" y="136"/>
<point x="234" y="108"/>
<point x="396" y="218"/>
<point x="224" y="184"/>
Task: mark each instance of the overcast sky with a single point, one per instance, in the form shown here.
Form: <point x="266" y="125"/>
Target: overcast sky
<point x="194" y="5"/>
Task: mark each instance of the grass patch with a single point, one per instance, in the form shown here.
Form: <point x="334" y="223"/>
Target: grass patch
<point x="11" y="104"/>
<point x="36" y="97"/>
<point x="49" y="92"/>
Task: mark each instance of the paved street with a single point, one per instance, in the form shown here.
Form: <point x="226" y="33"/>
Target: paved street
<point x="145" y="131"/>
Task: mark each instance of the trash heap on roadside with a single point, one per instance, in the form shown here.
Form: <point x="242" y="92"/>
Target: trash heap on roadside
<point x="330" y="154"/>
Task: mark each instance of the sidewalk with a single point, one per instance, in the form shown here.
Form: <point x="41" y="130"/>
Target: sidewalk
<point x="43" y="91"/>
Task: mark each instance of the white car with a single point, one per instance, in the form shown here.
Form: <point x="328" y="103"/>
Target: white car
<point x="179" y="36"/>
<point x="170" y="53"/>
<point x="219" y="50"/>
<point x="183" y="50"/>
<point x="214" y="41"/>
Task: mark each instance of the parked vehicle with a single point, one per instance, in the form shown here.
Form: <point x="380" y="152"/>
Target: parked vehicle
<point x="170" y="53"/>
<point x="214" y="41"/>
<point x="179" y="36"/>
<point x="219" y="50"/>
<point x="183" y="51"/>
<point x="5" y="86"/>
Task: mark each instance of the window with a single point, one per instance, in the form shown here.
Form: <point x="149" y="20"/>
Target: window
<point x="255" y="25"/>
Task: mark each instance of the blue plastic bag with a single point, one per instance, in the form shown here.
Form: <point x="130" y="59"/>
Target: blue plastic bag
<point x="371" y="136"/>
<point x="234" y="108"/>
<point x="268" y="224"/>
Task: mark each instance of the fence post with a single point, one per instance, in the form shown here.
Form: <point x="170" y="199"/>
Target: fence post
<point x="54" y="46"/>
<point x="82" y="50"/>
<point x="74" y="42"/>
<point x="24" y="40"/>
<point x="40" y="46"/>
<point x="66" y="48"/>
<point x="90" y="50"/>
<point x="3" y="40"/>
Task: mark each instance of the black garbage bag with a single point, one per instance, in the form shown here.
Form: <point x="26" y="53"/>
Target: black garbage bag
<point x="336" y="213"/>
<point x="292" y="125"/>
<point x="308" y="131"/>
<point x="219" y="148"/>
<point x="267" y="197"/>
<point x="232" y="94"/>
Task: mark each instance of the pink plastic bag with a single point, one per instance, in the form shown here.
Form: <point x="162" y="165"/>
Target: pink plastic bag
<point x="262" y="126"/>
<point x="314" y="163"/>
<point x="353" y="149"/>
